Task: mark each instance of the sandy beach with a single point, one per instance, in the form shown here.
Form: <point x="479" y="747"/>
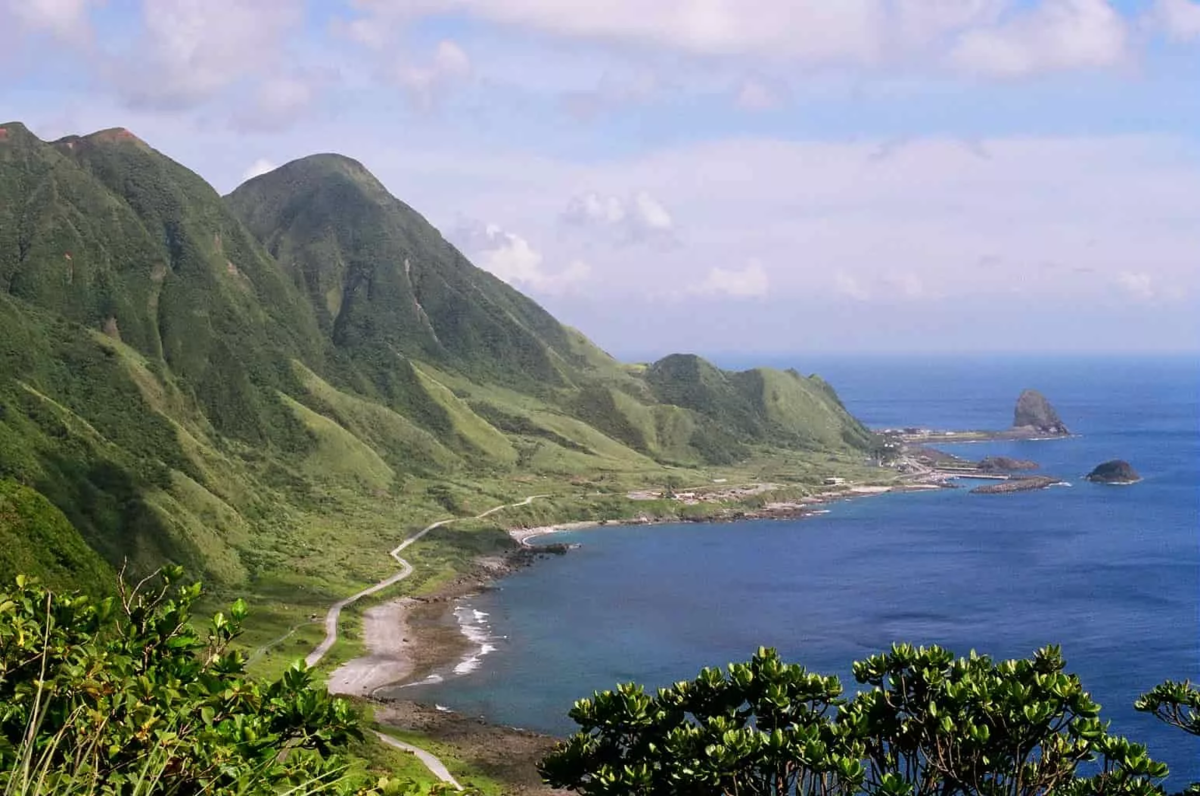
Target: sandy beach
<point x="389" y="657"/>
<point x="523" y="535"/>
<point x="409" y="638"/>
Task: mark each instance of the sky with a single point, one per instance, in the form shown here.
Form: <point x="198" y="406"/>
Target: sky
<point x="705" y="175"/>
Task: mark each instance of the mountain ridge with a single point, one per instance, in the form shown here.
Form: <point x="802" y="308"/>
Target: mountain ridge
<point x="208" y="379"/>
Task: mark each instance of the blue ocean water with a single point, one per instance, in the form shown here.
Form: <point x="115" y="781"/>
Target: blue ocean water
<point x="1110" y="573"/>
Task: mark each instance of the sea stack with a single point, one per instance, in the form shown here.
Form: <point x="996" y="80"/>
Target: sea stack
<point x="1035" y="415"/>
<point x="1114" y="472"/>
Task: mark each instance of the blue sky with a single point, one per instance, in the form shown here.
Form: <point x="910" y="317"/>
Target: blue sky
<point x="713" y="175"/>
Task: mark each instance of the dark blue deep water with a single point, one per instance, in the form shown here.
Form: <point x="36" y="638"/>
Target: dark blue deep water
<point x="1110" y="573"/>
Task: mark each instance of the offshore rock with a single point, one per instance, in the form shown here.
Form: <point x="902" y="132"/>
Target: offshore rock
<point x="1114" y="472"/>
<point x="1035" y="414"/>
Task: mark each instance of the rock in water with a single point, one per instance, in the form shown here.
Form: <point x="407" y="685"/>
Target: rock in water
<point x="1114" y="472"/>
<point x="1035" y="413"/>
<point x="1003" y="464"/>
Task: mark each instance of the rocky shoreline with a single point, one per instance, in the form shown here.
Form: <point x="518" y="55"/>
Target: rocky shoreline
<point x="412" y="638"/>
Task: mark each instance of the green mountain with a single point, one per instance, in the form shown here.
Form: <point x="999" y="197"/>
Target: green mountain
<point x="258" y="386"/>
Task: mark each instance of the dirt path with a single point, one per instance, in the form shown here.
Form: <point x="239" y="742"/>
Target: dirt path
<point x="335" y="612"/>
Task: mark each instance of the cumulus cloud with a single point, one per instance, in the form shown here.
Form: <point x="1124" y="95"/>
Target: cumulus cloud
<point x="905" y="284"/>
<point x="1055" y="35"/>
<point x="426" y="84"/>
<point x="191" y="50"/>
<point x="513" y="259"/>
<point x="639" y="219"/>
<point x="66" y="19"/>
<point x="846" y="285"/>
<point x="997" y="37"/>
<point x="279" y="102"/>
<point x="750" y="281"/>
<point x="1139" y="285"/>
<point x="1179" y="20"/>
<point x="1145" y="287"/>
<point x="257" y="169"/>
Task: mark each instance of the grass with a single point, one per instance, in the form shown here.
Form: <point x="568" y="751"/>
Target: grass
<point x="467" y="775"/>
<point x="207" y="381"/>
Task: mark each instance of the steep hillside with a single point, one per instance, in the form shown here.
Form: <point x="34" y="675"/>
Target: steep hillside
<point x="265" y="386"/>
<point x="384" y="282"/>
<point x="104" y="231"/>
<point x="760" y="405"/>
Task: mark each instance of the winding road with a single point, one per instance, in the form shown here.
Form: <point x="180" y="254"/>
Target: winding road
<point x="437" y="767"/>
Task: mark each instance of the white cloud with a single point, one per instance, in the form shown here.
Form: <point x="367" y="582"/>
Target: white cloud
<point x="846" y="285"/>
<point x="426" y="84"/>
<point x="1056" y="35"/>
<point x="66" y="19"/>
<point x="909" y="226"/>
<point x="278" y="103"/>
<point x="995" y="37"/>
<point x="1179" y="20"/>
<point x="750" y="281"/>
<point x="257" y="169"/>
<point x="1146" y="287"/>
<point x="513" y="259"/>
<point x="640" y="219"/>
<point x="798" y="28"/>
<point x="191" y="50"/>
<point x="1140" y="285"/>
<point x="905" y="284"/>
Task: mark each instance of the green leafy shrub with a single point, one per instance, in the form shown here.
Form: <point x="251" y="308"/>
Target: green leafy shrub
<point x="122" y="695"/>
<point x="928" y="725"/>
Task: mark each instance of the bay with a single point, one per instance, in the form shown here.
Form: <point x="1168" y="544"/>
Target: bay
<point x="1110" y="573"/>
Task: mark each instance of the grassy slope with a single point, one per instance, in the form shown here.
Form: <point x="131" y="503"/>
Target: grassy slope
<point x="276" y="388"/>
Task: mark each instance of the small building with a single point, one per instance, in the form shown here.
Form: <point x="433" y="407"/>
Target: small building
<point x="834" y="481"/>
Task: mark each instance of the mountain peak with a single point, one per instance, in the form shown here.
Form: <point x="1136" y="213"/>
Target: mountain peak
<point x="320" y="167"/>
<point x="113" y="135"/>
<point x="10" y="131"/>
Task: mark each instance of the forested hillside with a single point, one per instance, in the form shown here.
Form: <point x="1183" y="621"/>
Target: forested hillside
<point x="252" y="385"/>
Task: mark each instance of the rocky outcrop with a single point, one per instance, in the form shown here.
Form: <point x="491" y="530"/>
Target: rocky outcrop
<point x="1003" y="464"/>
<point x="1034" y="414"/>
<point x="1114" y="472"/>
<point x="1017" y="485"/>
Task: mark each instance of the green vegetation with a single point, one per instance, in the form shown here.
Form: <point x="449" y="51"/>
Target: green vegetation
<point x="274" y="388"/>
<point x="36" y="539"/>
<point x="927" y="725"/>
<point x="123" y="695"/>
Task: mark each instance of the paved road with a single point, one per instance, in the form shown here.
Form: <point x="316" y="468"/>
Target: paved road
<point x="335" y="612"/>
<point x="432" y="763"/>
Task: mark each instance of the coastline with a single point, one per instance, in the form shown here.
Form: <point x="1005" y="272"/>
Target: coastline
<point x="412" y="639"/>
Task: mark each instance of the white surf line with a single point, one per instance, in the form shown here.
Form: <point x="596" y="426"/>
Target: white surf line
<point x="335" y="611"/>
<point x="406" y="569"/>
<point x="437" y="767"/>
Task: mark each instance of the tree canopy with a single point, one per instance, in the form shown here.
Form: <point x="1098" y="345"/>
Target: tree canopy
<point x="927" y="724"/>
<point x="123" y="695"/>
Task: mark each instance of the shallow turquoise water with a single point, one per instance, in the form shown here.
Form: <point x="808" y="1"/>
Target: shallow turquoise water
<point x="1110" y="573"/>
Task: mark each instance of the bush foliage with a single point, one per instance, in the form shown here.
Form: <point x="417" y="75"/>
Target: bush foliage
<point x="929" y="724"/>
<point x="123" y="695"/>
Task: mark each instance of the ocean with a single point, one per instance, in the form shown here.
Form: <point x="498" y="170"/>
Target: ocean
<point x="1112" y="574"/>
